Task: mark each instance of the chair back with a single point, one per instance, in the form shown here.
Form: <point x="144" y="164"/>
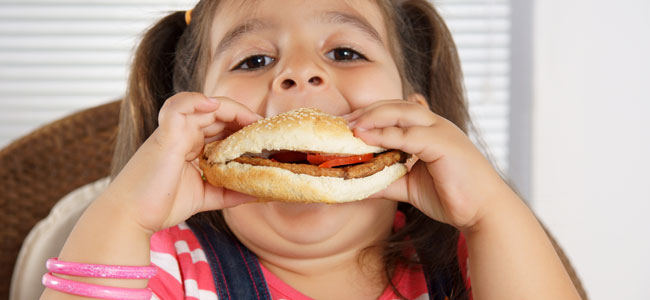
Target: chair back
<point x="40" y="168"/>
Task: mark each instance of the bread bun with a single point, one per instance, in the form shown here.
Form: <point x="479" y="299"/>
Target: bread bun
<point x="306" y="130"/>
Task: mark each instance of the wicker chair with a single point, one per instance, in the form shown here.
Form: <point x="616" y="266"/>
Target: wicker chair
<point x="42" y="167"/>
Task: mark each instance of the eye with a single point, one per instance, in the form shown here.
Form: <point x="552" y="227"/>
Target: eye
<point x="254" y="62"/>
<point x="345" y="54"/>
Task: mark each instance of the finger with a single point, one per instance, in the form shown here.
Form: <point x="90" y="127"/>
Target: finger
<point x="189" y="102"/>
<point x="216" y="133"/>
<point x="219" y="198"/>
<point x="357" y="113"/>
<point x="416" y="188"/>
<point x="213" y="129"/>
<point x="396" y="191"/>
<point x="212" y="125"/>
<point x="424" y="142"/>
<point x="178" y="107"/>
<point x="210" y="110"/>
<point x="202" y="120"/>
<point x="353" y="115"/>
<point x="231" y="111"/>
<point x="209" y="124"/>
<point x="220" y="136"/>
<point x="400" y="114"/>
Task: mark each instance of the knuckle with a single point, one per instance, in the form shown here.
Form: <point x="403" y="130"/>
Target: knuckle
<point x="178" y="100"/>
<point x="163" y="114"/>
<point x="189" y="95"/>
<point x="171" y="103"/>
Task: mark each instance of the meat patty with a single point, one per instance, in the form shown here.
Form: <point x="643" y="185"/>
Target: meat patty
<point x="373" y="166"/>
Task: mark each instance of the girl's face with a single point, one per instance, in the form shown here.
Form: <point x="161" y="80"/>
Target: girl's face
<point x="277" y="55"/>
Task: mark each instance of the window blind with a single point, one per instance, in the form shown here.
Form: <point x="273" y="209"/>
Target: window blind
<point x="57" y="57"/>
<point x="481" y="29"/>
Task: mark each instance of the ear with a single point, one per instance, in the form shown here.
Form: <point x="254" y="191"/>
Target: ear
<point x="419" y="99"/>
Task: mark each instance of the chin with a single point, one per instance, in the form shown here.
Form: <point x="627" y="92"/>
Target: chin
<point x="307" y="230"/>
<point x="306" y="224"/>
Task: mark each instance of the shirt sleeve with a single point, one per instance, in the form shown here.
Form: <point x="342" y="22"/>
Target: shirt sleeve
<point x="463" y="262"/>
<point x="183" y="269"/>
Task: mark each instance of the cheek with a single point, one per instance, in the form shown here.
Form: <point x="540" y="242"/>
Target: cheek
<point x="365" y="87"/>
<point x="247" y="92"/>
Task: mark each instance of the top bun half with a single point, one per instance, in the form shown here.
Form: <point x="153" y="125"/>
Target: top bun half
<point x="302" y="129"/>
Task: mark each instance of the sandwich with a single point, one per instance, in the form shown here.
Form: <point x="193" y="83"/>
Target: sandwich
<point x="303" y="155"/>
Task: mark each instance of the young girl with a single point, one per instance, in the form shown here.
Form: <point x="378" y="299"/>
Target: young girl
<point x="391" y="69"/>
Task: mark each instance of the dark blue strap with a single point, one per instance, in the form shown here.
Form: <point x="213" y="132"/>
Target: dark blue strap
<point x="235" y="270"/>
<point x="436" y="286"/>
<point x="436" y="282"/>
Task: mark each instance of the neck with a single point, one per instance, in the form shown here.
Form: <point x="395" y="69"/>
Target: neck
<point x="323" y="251"/>
<point x="353" y="274"/>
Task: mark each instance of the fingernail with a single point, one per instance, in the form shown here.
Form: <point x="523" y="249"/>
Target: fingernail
<point x="211" y="99"/>
<point x="357" y="131"/>
<point x="351" y="124"/>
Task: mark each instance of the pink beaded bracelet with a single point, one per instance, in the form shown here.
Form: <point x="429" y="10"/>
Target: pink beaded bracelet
<point x="94" y="291"/>
<point x="103" y="271"/>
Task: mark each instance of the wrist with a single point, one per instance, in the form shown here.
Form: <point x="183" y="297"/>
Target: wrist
<point x="144" y="191"/>
<point x="106" y="235"/>
<point x="502" y="205"/>
<point x="122" y="212"/>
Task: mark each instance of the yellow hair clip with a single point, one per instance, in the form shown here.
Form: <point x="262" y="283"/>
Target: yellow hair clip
<point x="188" y="16"/>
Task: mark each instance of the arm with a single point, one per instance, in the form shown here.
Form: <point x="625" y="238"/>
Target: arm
<point x="511" y="257"/>
<point x="158" y="188"/>
<point x="104" y="235"/>
<point x="107" y="232"/>
<point x="509" y="253"/>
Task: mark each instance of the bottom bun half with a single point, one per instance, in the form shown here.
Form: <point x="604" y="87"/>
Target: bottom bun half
<point x="269" y="183"/>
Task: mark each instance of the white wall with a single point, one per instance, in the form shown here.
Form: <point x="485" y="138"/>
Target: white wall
<point x="591" y="138"/>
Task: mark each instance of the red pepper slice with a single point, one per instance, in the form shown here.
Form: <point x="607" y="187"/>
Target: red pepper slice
<point x="289" y="156"/>
<point x="317" y="159"/>
<point x="346" y="160"/>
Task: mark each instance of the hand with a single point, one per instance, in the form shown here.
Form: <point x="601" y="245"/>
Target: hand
<point x="161" y="185"/>
<point x="451" y="181"/>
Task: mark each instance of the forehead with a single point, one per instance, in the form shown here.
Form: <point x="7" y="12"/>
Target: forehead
<point x="247" y="14"/>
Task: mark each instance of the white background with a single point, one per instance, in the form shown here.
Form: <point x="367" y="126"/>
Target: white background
<point x="591" y="140"/>
<point x="590" y="100"/>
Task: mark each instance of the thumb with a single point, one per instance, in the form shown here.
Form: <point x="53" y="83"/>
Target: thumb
<point x="396" y="191"/>
<point x="218" y="197"/>
<point x="416" y="188"/>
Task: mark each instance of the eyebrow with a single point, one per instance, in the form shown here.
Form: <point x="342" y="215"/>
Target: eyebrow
<point x="330" y="17"/>
<point x="358" y="22"/>
<point x="233" y="35"/>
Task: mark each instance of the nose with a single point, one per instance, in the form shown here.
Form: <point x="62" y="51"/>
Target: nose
<point x="289" y="83"/>
<point x="300" y="75"/>
<point x="303" y="80"/>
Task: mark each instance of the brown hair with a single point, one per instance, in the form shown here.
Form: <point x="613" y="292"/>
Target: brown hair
<point x="172" y="57"/>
